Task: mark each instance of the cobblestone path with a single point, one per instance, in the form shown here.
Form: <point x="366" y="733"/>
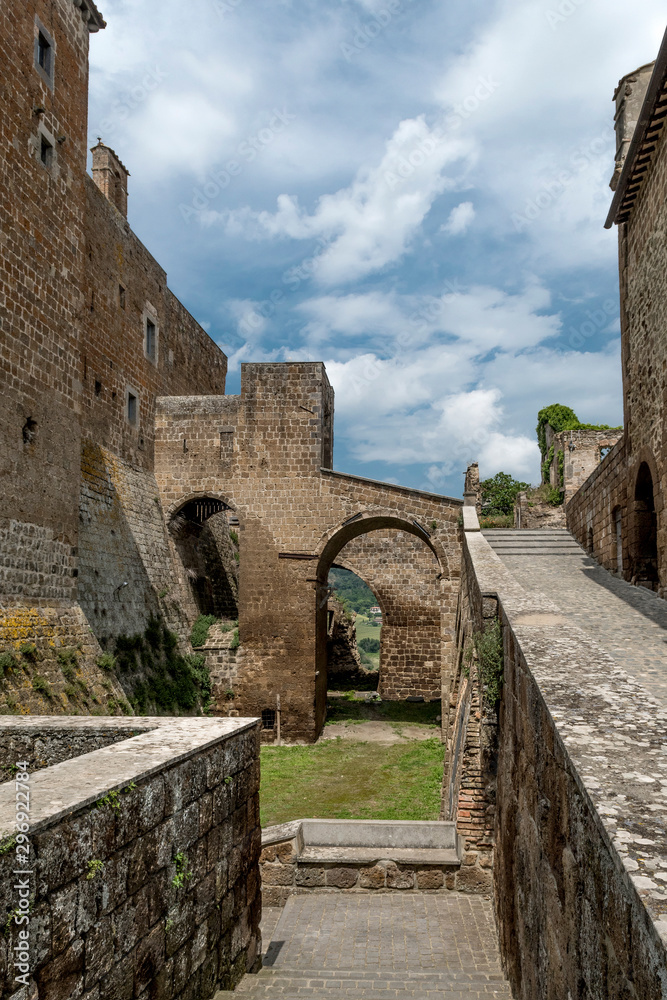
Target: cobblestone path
<point x="393" y="945"/>
<point x="630" y="623"/>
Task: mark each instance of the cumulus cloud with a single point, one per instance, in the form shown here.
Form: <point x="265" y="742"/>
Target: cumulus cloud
<point x="371" y="222"/>
<point x="459" y="219"/>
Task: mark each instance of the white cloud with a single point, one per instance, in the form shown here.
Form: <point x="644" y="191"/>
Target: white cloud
<point x="459" y="219"/>
<point x="370" y="223"/>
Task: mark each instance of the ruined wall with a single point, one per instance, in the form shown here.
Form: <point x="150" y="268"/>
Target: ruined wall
<point x="403" y="574"/>
<point x="260" y="454"/>
<point x="109" y="915"/>
<point x="581" y="454"/>
<point x="592" y="513"/>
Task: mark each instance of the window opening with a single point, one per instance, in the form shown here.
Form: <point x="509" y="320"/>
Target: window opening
<point x="44" y="53"/>
<point x="151" y="340"/>
<point x="98" y="388"/>
<point x="268" y="718"/>
<point x="131" y="408"/>
<point x="46" y="152"/>
<point x="121" y="296"/>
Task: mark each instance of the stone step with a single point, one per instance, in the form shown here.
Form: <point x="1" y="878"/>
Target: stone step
<point x="379" y="984"/>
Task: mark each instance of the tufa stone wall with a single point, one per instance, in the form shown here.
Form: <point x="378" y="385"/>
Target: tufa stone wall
<point x="597" y="513"/>
<point x="581" y="451"/>
<point x="110" y="916"/>
<point x="576" y="837"/>
<point x="260" y="455"/>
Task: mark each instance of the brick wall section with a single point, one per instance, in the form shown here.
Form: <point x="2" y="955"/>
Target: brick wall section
<point x="402" y="573"/>
<point x="594" y="505"/>
<point x="129" y="932"/>
<point x="269" y="473"/>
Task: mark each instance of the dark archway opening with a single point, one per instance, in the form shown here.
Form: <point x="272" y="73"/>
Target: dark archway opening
<point x="645" y="531"/>
<point x="207" y="544"/>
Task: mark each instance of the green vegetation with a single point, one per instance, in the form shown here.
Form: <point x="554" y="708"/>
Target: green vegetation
<point x="183" y="875"/>
<point x="106" y="662"/>
<point x="41" y="684"/>
<point x="236" y="642"/>
<point x="562" y="418"/>
<point x="352" y="592"/>
<point x="369" y="645"/>
<point x="95" y="867"/>
<point x="561" y="468"/>
<point x="156" y="676"/>
<point x="499" y="493"/>
<point x="234" y="535"/>
<point x="338" y="779"/>
<point x="200" y="629"/>
<point x="7" y="844"/>
<point x="350" y="709"/>
<point x="7" y="663"/>
<point x="489" y="646"/>
<point x="110" y="801"/>
<point x="497" y="521"/>
<point x="546" y="465"/>
<point x="28" y="651"/>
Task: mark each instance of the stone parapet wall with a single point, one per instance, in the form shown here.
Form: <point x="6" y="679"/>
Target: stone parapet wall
<point x="591" y="511"/>
<point x="578" y="839"/>
<point x="144" y="863"/>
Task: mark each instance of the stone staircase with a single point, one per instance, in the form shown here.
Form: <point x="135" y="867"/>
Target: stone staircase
<point x="394" y="945"/>
<point x="544" y="542"/>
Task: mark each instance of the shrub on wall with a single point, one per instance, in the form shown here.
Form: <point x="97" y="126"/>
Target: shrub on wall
<point x="200" y="629"/>
<point x="499" y="493"/>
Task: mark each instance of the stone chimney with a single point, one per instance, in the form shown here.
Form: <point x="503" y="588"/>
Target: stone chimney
<point x="629" y="97"/>
<point x="110" y="176"/>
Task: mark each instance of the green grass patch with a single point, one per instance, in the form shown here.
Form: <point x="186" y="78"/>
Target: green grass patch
<point x="339" y="779"/>
<point x="365" y="630"/>
<point x="349" y="709"/>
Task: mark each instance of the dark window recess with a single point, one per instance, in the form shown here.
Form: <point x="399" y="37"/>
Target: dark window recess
<point x="121" y="296"/>
<point x="46" y="152"/>
<point x="29" y="431"/>
<point x="98" y="388"/>
<point x="268" y="718"/>
<point x="131" y="408"/>
<point x="44" y="54"/>
<point x="151" y="340"/>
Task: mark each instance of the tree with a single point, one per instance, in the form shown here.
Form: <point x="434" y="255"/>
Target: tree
<point x="500" y="493"/>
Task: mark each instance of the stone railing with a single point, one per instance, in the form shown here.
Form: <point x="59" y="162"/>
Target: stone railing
<point x="357" y="856"/>
<point x="580" y="866"/>
<point x="140" y="857"/>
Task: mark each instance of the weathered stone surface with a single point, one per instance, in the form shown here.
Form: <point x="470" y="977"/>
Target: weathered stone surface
<point x="430" y="878"/>
<point x="309" y="877"/>
<point x="372" y="878"/>
<point x="342" y="878"/>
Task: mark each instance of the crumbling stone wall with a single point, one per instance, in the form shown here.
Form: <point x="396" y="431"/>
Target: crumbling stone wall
<point x="576" y="455"/>
<point x="403" y="573"/>
<point x="109" y="917"/>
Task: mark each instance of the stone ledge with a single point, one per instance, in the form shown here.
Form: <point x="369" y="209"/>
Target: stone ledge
<point x="83" y="780"/>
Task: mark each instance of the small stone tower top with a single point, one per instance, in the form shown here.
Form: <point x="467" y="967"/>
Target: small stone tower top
<point x="110" y="176"/>
<point x="629" y="97"/>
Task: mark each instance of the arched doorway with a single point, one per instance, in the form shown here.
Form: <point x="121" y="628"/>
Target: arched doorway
<point x="412" y="641"/>
<point x="206" y="540"/>
<point x="644" y="537"/>
<point x="355" y="615"/>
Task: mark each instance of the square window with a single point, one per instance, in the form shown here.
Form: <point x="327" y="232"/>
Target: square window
<point x="45" y="151"/>
<point x="44" y="53"/>
<point x="132" y="408"/>
<point x="151" y="340"/>
<point x="121" y="296"/>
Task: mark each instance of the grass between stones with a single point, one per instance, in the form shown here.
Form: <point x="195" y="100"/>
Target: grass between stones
<point x="340" y="779"/>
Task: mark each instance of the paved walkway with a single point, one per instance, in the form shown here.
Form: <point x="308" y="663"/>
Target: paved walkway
<point x="630" y="623"/>
<point x="387" y="947"/>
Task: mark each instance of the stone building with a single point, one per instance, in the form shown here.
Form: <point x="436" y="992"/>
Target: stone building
<point x="618" y="513"/>
<point x="125" y="466"/>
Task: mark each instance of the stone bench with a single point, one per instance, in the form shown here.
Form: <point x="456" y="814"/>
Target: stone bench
<point x="358" y="856"/>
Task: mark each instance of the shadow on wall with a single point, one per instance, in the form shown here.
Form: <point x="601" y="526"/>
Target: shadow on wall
<point x="209" y="554"/>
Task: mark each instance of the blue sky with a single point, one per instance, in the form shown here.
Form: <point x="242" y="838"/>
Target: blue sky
<point x="411" y="191"/>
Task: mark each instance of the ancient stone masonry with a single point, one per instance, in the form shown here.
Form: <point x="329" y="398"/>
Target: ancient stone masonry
<point x="576" y="454"/>
<point x="578" y="911"/>
<point x="261" y="455"/>
<point x="144" y="875"/>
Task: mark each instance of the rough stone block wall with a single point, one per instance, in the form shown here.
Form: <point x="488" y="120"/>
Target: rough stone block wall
<point x="49" y="664"/>
<point x="52" y="746"/>
<point x="294" y="518"/>
<point x="574" y="831"/>
<point x="109" y="917"/>
<point x="593" y="507"/>
<point x="403" y="574"/>
<point x="581" y="455"/>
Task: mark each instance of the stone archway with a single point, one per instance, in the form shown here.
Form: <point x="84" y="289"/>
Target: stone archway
<point x="200" y="533"/>
<point x="644" y="530"/>
<point x="412" y="649"/>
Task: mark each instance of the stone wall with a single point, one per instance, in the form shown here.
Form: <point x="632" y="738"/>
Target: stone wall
<point x="403" y="573"/>
<point x="144" y="864"/>
<point x="599" y="511"/>
<point x="260" y="455"/>
<point x="53" y="745"/>
<point x="578" y="839"/>
<point x="581" y="451"/>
